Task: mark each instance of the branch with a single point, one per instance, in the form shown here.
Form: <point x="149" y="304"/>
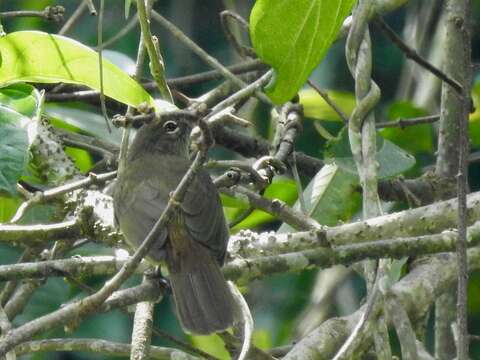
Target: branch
<point x="38" y="234"/>
<point x="96" y="346"/>
<point x="75" y="266"/>
<point x="266" y="260"/>
<point x="403" y="123"/>
<point x="275" y="207"/>
<point x="413" y="55"/>
<point x="409" y="223"/>
<point x="51" y="13"/>
<point x="142" y="331"/>
<point x="47" y="195"/>
<point x="416" y="292"/>
<point x="74" y="18"/>
<point x="245" y="270"/>
<point x="157" y="66"/>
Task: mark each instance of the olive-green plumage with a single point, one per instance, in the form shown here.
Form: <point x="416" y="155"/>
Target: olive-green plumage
<point x="193" y="244"/>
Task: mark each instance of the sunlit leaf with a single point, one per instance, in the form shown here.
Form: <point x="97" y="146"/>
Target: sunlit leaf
<point x="281" y="189"/>
<point x="212" y="345"/>
<point x="262" y="339"/>
<point x="46" y="58"/>
<point x="474" y="124"/>
<point x="315" y="107"/>
<point x="128" y="4"/>
<point x="81" y="158"/>
<point x="293" y="36"/>
<point x="8" y="207"/>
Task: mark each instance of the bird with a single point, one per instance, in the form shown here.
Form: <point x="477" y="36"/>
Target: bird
<point x="193" y="244"/>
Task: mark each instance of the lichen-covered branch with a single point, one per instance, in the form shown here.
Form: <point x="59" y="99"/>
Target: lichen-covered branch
<point x="97" y="346"/>
<point x="417" y="291"/>
<point x="142" y="329"/>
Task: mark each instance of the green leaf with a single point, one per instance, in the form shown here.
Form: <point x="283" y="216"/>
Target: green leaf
<point x="474" y="123"/>
<point x="395" y="270"/>
<point x="22" y="98"/>
<point x="8" y="207"/>
<point x="314" y="107"/>
<point x="13" y="148"/>
<point x="231" y="202"/>
<point x="46" y="58"/>
<point x="282" y="189"/>
<point x="262" y="339"/>
<point x="211" y="344"/>
<point x="293" y="36"/>
<point x="128" y="4"/>
<point x="82" y="158"/>
<point x="392" y="159"/>
<point x="330" y="197"/>
<point x="18" y="103"/>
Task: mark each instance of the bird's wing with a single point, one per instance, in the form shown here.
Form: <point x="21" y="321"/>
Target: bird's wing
<point x="204" y="217"/>
<point x="142" y="204"/>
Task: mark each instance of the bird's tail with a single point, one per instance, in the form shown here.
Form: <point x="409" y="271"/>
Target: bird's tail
<point x="204" y="301"/>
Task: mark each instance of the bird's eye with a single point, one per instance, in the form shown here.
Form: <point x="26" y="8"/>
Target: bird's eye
<point x="170" y="127"/>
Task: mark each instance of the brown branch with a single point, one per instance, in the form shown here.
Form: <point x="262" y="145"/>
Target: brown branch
<point x="52" y="13"/>
<point x="413" y="55"/>
<point x="403" y="123"/>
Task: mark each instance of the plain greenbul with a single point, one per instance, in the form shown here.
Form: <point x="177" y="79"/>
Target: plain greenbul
<point x="193" y="244"/>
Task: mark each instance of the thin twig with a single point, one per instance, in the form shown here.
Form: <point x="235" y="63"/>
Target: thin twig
<point x="157" y="67"/>
<point x="240" y="49"/>
<point x="177" y="33"/>
<point x="100" y="63"/>
<point x="403" y="123"/>
<point x="275" y="207"/>
<point x="122" y="155"/>
<point x="91" y="7"/>
<point x="174" y="83"/>
<point x="329" y="101"/>
<point x="413" y="55"/>
<point x="121" y="33"/>
<point x="74" y="18"/>
<point x="54" y="13"/>
<point x="61" y="190"/>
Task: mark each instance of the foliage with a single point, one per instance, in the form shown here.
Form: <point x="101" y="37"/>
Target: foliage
<point x="293" y="37"/>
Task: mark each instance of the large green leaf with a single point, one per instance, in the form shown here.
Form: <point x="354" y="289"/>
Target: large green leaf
<point x="392" y="160"/>
<point x="293" y="36"/>
<point x="13" y="148"/>
<point x="46" y="58"/>
<point x="18" y="103"/>
<point x="330" y="197"/>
